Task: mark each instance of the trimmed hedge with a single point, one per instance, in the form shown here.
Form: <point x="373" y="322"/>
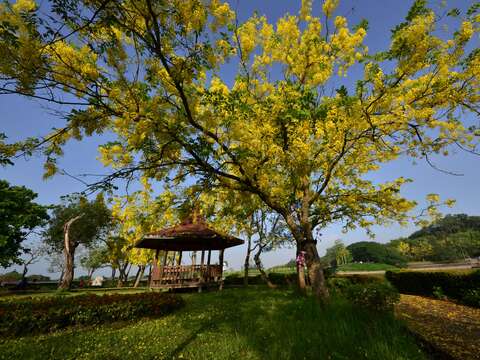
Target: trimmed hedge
<point x="42" y="315"/>
<point x="461" y="287"/>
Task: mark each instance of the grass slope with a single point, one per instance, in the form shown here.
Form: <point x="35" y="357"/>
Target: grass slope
<point x="254" y="323"/>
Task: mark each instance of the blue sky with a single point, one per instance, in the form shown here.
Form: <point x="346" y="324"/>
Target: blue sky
<point x="23" y="117"/>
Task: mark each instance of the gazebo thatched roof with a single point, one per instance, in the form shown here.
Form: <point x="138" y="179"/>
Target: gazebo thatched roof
<point x="192" y="234"/>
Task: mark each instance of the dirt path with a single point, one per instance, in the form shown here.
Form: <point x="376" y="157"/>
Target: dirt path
<point x="451" y="328"/>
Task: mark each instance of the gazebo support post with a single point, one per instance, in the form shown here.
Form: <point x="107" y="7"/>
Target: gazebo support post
<point x="202" y="260"/>
<point x="165" y="257"/>
<point x="220" y="261"/>
<point x="193" y="257"/>
<point x="179" y="267"/>
<point x="155" y="264"/>
<point x="208" y="265"/>
<point x="202" y="277"/>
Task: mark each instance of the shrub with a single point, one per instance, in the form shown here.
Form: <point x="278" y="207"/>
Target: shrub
<point x="472" y="297"/>
<point x="438" y="293"/>
<point x="37" y="315"/>
<point x="453" y="285"/>
<point x="378" y="296"/>
<point x="283" y="279"/>
<point x="330" y="271"/>
<point x="338" y="284"/>
<point x="237" y="279"/>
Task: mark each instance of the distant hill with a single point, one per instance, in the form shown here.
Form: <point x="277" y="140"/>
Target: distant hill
<point x="450" y="224"/>
<point x="450" y="238"/>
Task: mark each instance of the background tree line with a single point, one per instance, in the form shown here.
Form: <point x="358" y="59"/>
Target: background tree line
<point x="453" y="237"/>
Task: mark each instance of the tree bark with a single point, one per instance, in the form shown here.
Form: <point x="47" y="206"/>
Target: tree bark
<point x="246" y="264"/>
<point x="114" y="270"/>
<point x="263" y="274"/>
<point x="69" y="253"/>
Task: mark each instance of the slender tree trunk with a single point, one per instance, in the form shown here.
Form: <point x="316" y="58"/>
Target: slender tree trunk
<point x="258" y="263"/>
<point x="25" y="271"/>
<point x="90" y="274"/>
<point x="128" y="272"/>
<point x="246" y="265"/>
<point x="114" y="270"/>
<point x="141" y="271"/>
<point x="69" y="253"/>
<point x="61" y="277"/>
<point x="122" y="274"/>
<point x="136" y="275"/>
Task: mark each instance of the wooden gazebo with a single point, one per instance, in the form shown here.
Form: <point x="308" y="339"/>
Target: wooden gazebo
<point x="192" y="234"/>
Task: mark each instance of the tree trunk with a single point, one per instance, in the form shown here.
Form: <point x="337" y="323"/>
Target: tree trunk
<point x="68" y="273"/>
<point x="141" y="271"/>
<point x="114" y="270"/>
<point x="61" y="277"/>
<point x="247" y="261"/>
<point x="122" y="275"/>
<point x="259" y="265"/>
<point x="69" y="253"/>
<point x="25" y="271"/>
<point x="305" y="241"/>
<point x="90" y="274"/>
<point x="315" y="272"/>
<point x="128" y="273"/>
<point x="302" y="285"/>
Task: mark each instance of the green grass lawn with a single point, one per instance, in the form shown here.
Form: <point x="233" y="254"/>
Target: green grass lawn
<point x="253" y="323"/>
<point x="366" y="267"/>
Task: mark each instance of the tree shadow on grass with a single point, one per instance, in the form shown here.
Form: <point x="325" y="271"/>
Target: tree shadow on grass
<point x="191" y="338"/>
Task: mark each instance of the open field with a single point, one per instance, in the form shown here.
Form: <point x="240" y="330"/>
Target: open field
<point x="254" y="323"/>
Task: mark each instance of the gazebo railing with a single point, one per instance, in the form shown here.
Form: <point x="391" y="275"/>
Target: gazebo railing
<point x="185" y="275"/>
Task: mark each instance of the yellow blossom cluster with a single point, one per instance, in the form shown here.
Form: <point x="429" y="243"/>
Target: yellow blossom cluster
<point x="329" y="7"/>
<point x="73" y="65"/>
